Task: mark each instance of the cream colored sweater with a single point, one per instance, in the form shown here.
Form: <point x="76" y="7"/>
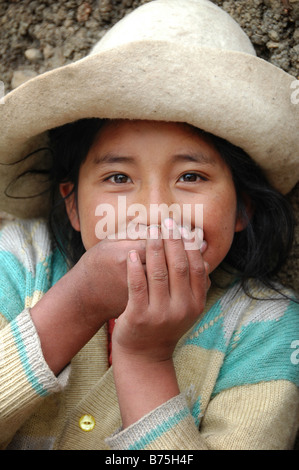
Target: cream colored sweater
<point x="237" y="368"/>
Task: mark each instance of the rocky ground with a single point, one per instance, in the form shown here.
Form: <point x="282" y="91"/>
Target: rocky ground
<point x="36" y="36"/>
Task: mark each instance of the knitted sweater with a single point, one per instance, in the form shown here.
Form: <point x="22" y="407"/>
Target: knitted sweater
<point x="237" y="369"/>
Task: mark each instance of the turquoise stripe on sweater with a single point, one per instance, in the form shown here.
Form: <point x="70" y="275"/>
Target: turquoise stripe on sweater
<point x="261" y="351"/>
<point x="158" y="431"/>
<point x="17" y="282"/>
<point x="32" y="379"/>
<point x="209" y="333"/>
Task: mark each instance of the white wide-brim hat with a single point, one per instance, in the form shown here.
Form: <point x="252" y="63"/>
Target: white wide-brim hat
<point x="171" y="60"/>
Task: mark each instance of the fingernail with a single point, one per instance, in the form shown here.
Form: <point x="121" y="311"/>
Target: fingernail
<point x="133" y="256"/>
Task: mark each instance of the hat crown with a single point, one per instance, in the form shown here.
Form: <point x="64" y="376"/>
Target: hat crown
<point x="197" y="23"/>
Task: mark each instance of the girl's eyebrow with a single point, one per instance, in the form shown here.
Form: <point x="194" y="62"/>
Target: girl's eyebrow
<point x="109" y="158"/>
<point x="194" y="157"/>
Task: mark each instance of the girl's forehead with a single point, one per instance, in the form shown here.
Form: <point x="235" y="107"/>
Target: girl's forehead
<point x="135" y="132"/>
<point x="153" y="143"/>
<point x="140" y="125"/>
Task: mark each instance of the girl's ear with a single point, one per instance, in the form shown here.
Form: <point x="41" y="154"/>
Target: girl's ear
<point x="70" y="204"/>
<point x="245" y="214"/>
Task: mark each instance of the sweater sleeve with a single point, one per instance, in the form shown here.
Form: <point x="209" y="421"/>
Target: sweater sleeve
<point x="262" y="416"/>
<point x="25" y="377"/>
<point x="26" y="274"/>
<point x="170" y="426"/>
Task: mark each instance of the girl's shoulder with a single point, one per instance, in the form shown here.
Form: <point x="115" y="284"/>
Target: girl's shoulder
<point x="27" y="243"/>
<point x="30" y="264"/>
<point x="18" y="235"/>
<point x="260" y="331"/>
<point x="253" y="298"/>
<point x="260" y="306"/>
<point x="256" y="314"/>
<point x="234" y="316"/>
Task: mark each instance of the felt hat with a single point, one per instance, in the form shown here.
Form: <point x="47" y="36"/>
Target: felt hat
<point x="171" y="60"/>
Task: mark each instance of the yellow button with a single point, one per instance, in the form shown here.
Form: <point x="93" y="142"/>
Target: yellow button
<point x="87" y="423"/>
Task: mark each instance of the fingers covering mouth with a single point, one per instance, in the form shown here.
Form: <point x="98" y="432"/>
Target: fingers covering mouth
<point x="193" y="239"/>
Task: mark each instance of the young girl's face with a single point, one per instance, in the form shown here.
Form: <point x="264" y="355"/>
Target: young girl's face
<point x="152" y="163"/>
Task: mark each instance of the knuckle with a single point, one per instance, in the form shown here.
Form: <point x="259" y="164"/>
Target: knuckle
<point x="159" y="275"/>
<point x="198" y="269"/>
<point x="181" y="267"/>
<point x="137" y="286"/>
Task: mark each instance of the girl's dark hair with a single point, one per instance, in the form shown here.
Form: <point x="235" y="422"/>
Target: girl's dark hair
<point x="70" y="145"/>
<point x="259" y="251"/>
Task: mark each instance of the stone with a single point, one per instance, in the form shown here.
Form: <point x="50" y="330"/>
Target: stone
<point x="273" y="35"/>
<point x="48" y="51"/>
<point x="33" y="55"/>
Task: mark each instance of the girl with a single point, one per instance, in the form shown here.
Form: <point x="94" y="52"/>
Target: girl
<point x="202" y="346"/>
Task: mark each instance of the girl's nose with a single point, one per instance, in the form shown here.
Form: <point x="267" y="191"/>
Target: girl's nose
<point x="159" y="203"/>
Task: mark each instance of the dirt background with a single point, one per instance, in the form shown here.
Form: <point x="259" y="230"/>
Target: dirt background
<point x="37" y="36"/>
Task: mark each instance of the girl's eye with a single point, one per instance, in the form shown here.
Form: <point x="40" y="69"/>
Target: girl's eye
<point x="119" y="178"/>
<point x="190" y="178"/>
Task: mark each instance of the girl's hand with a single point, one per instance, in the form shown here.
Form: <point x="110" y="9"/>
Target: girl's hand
<point x="101" y="279"/>
<point x="76" y="307"/>
<point x="163" y="303"/>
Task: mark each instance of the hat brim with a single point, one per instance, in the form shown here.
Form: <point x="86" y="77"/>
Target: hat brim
<point x="234" y="95"/>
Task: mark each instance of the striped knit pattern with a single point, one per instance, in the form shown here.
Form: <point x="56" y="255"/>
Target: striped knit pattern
<point x="237" y="368"/>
